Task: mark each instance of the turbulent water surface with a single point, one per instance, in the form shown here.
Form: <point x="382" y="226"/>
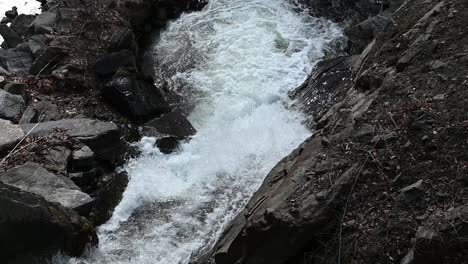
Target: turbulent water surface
<point x="236" y="59"/>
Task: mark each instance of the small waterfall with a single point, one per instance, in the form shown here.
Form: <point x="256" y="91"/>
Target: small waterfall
<point x="236" y="60"/>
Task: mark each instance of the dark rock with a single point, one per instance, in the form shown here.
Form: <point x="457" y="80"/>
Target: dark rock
<point x="11" y="134"/>
<point x="32" y="177"/>
<point x="10" y="36"/>
<point x="4" y="46"/>
<point x="169" y="130"/>
<point x="56" y="50"/>
<point x="167" y="145"/>
<point x="362" y="34"/>
<point x="6" y="20"/>
<point x="31" y="228"/>
<point x="440" y="237"/>
<point x="406" y="58"/>
<point x="16" y="88"/>
<point x="57" y="157"/>
<point x="174" y="124"/>
<point x="43" y="111"/>
<point x="267" y="230"/>
<point x="102" y="137"/>
<point x="67" y="18"/>
<point x="135" y="96"/>
<point x="17" y="60"/>
<point x="30" y="115"/>
<point x="44" y="23"/>
<point x="37" y="44"/>
<point x="82" y="160"/>
<point x="111" y="62"/>
<point x="21" y="25"/>
<point x="87" y="180"/>
<point x="328" y="84"/>
<point x="123" y="40"/>
<point x="340" y="11"/>
<point x="369" y="79"/>
<point x="107" y="197"/>
<point x="11" y="106"/>
<point x="13" y="13"/>
<point x="413" y="192"/>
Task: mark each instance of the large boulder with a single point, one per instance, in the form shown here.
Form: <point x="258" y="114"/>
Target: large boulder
<point x="21" y="24"/>
<point x="33" y="178"/>
<point x="111" y="62"/>
<point x="13" y="13"/>
<point x="11" y="37"/>
<point x="17" y="60"/>
<point x="107" y="196"/>
<point x="102" y="137"/>
<point x="292" y="209"/>
<point x="169" y="130"/>
<point x="11" y="134"/>
<point x="11" y="106"/>
<point x="32" y="228"/>
<point x="174" y="124"/>
<point x="44" y="23"/>
<point x="135" y="96"/>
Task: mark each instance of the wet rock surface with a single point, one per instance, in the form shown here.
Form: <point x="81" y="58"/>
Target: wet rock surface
<point x="136" y="97"/>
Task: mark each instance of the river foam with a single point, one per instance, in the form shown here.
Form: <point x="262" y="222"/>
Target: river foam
<point x="236" y="59"/>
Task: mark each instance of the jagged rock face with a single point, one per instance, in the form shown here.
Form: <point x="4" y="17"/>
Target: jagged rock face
<point x="295" y="206"/>
<point x="388" y="134"/>
<point x="31" y="228"/>
<point x="344" y="10"/>
<point x="327" y="85"/>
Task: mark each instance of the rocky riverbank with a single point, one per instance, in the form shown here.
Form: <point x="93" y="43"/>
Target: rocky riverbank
<point x="73" y="96"/>
<point x="383" y="179"/>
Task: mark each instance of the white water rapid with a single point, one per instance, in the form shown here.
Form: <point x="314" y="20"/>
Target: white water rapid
<point x="237" y="59"/>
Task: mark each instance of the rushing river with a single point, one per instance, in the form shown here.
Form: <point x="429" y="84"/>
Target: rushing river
<point x="236" y="59"/>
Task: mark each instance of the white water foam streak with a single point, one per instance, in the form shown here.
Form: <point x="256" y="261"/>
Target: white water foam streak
<point x="237" y="59"/>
